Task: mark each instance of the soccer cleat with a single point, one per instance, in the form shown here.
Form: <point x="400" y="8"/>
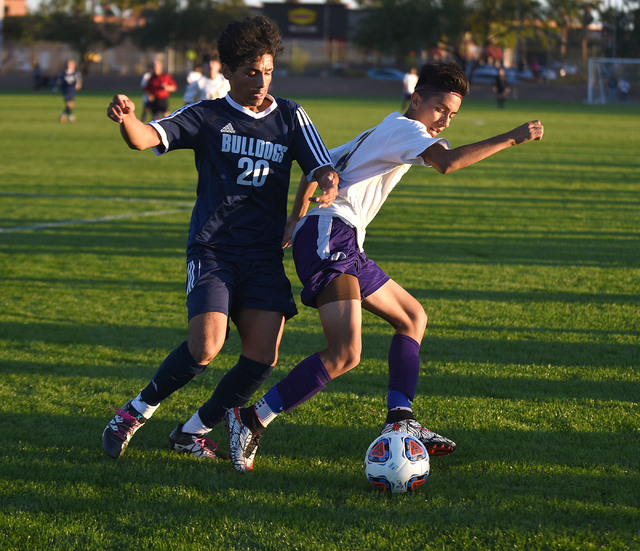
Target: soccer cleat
<point x="436" y="444"/>
<point x="243" y="443"/>
<point x="120" y="429"/>
<point x="198" y="446"/>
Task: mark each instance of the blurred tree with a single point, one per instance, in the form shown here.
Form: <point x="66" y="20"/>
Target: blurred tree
<point x="194" y="26"/>
<point x="568" y="15"/>
<point x="399" y="26"/>
<point x="621" y="31"/>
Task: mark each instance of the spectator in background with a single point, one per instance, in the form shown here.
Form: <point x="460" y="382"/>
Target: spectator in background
<point x="501" y="87"/>
<point x="613" y="88"/>
<point x="624" y="88"/>
<point x="535" y="70"/>
<point x="37" y="77"/>
<point x="211" y="85"/>
<point x="195" y="74"/>
<point x="146" y="108"/>
<point x="408" y="86"/>
<point x="69" y="81"/>
<point x="159" y="87"/>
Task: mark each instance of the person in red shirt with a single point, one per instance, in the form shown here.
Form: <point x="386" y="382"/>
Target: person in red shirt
<point x="159" y="87"/>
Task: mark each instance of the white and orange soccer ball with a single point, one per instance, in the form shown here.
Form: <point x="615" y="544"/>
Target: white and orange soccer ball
<point x="396" y="462"/>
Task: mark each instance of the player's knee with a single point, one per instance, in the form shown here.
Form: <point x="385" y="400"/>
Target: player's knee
<point x="414" y="322"/>
<point x="341" y="360"/>
<point x="420" y="320"/>
<point x="204" y="353"/>
<point x="265" y="356"/>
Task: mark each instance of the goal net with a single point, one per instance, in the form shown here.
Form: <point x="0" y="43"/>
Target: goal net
<point x="613" y="80"/>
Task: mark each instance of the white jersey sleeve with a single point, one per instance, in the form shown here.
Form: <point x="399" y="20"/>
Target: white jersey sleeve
<point x="372" y="164"/>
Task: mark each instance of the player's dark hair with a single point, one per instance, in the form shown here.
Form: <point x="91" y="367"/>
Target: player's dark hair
<point x="243" y="41"/>
<point x="442" y="77"/>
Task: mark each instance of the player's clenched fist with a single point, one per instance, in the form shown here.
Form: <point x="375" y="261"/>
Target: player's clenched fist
<point x="532" y="130"/>
<point x="119" y="107"/>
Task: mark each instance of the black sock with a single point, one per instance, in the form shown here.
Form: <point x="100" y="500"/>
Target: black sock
<point x="234" y="389"/>
<point x="250" y="419"/>
<point x="176" y="370"/>
<point x="397" y="415"/>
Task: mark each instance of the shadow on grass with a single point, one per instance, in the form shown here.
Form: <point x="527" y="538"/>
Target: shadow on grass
<point x="319" y="467"/>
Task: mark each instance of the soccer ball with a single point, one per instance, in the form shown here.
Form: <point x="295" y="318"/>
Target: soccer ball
<point x="396" y="462"/>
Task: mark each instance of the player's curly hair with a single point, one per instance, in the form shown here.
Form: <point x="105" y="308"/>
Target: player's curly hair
<point x="243" y="41"/>
<point x="442" y="76"/>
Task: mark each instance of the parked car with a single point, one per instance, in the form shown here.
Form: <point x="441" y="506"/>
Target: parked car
<point x="488" y="73"/>
<point x="564" y="68"/>
<point x="482" y="73"/>
<point x="385" y="73"/>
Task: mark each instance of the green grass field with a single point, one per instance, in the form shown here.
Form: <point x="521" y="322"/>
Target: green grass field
<point x="528" y="265"/>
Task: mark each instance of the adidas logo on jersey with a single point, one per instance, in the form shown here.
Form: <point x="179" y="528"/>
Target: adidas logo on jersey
<point x="228" y="129"/>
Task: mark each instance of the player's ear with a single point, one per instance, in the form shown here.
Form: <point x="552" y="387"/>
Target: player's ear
<point x="416" y="100"/>
<point x="226" y="71"/>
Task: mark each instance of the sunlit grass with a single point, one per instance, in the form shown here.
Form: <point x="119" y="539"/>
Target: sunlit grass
<point x="528" y="265"/>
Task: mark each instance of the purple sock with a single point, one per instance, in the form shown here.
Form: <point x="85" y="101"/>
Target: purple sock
<point x="304" y="381"/>
<point x="404" y="369"/>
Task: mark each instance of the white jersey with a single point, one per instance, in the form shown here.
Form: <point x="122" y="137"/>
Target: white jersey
<point x="207" y="88"/>
<point x="371" y="165"/>
<point x="409" y="83"/>
<point x="213" y="88"/>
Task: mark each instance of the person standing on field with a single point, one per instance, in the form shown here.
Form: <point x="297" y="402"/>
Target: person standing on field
<point x="408" y="86"/>
<point x="210" y="85"/>
<point x="501" y="87"/>
<point x="244" y="146"/>
<point x="339" y="280"/>
<point x="158" y="89"/>
<point x="69" y="81"/>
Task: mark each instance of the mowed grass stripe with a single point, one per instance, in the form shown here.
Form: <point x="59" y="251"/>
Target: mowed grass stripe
<point x="527" y="265"/>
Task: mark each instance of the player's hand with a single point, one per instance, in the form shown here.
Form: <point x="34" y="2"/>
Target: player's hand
<point x="532" y="130"/>
<point x="328" y="183"/>
<point x="120" y="107"/>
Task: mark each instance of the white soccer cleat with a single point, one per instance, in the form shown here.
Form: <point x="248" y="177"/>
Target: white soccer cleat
<point x="243" y="443"/>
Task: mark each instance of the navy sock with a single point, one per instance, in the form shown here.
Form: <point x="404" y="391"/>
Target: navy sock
<point x="234" y="389"/>
<point x="177" y="370"/>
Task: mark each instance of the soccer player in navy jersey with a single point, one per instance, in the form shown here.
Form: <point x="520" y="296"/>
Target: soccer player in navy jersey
<point x="244" y="146"/>
<point x="338" y="278"/>
<point x="69" y="81"/>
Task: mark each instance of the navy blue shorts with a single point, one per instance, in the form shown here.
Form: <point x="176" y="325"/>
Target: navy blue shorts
<point x="325" y="248"/>
<point x="226" y="286"/>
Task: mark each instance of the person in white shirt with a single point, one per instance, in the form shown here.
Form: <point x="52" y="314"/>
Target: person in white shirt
<point x="146" y="107"/>
<point x="408" y="86"/>
<point x="211" y="85"/>
<point x="339" y="280"/>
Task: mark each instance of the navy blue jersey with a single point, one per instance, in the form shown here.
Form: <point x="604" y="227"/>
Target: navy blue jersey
<point x="244" y="161"/>
<point x="67" y="81"/>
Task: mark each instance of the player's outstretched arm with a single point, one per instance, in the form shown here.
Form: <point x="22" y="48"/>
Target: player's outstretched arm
<point x="449" y="160"/>
<point x="137" y="134"/>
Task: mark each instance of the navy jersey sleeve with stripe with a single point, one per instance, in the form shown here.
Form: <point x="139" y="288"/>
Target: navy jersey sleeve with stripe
<point x="244" y="169"/>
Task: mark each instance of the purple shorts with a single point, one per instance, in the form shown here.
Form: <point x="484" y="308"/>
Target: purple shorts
<point x="222" y="285"/>
<point x="324" y="248"/>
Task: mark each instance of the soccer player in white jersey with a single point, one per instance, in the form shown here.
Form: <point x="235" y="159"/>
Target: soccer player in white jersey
<point x="244" y="146"/>
<point x="210" y="85"/>
<point x="339" y="280"/>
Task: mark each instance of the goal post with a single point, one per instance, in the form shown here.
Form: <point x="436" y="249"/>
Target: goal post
<point x="612" y="79"/>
